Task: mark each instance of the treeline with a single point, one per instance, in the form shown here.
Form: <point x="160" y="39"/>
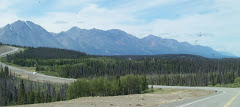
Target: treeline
<point x="1" y="44"/>
<point x="15" y="91"/>
<point x="47" y="53"/>
<point x="130" y="84"/>
<point x="194" y="79"/>
<point x="102" y="66"/>
<point x="162" y="56"/>
<point x="184" y="67"/>
<point x="13" y="45"/>
<point x="106" y="65"/>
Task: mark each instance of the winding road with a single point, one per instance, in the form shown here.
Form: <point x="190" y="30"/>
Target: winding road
<point x="223" y="97"/>
<point x="29" y="75"/>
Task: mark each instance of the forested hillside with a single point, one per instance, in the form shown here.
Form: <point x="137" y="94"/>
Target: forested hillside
<point x="15" y="91"/>
<point x="160" y="69"/>
<point x="102" y="86"/>
<point x="48" y="53"/>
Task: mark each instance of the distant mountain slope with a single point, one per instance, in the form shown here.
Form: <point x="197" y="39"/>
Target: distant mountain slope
<point x="94" y="41"/>
<point x="117" y="42"/>
<point x="99" y="42"/>
<point x="171" y="46"/>
<point x="27" y="34"/>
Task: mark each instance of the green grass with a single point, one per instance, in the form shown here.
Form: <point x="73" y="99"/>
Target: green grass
<point x="3" y="59"/>
<point x="159" y="91"/>
<point x="233" y="85"/>
<point x="49" y="73"/>
<point x="236" y="84"/>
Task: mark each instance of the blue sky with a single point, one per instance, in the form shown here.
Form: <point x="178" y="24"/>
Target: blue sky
<point x="217" y="20"/>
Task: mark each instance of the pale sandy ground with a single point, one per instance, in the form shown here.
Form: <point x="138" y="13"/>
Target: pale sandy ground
<point x="4" y="49"/>
<point x="143" y="100"/>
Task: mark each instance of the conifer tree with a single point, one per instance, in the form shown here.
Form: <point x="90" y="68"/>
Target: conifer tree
<point x="22" y="95"/>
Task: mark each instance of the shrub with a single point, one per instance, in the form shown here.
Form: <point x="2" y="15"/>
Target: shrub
<point x="130" y="84"/>
<point x="237" y="80"/>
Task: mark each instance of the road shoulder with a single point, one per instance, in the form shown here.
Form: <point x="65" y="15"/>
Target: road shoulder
<point x="145" y="100"/>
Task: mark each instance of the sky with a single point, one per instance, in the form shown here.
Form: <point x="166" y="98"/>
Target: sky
<point x="213" y="23"/>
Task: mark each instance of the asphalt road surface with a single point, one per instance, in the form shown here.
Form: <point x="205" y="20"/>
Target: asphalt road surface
<point x="223" y="97"/>
<point x="30" y="75"/>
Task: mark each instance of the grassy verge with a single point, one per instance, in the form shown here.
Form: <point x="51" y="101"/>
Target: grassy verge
<point x="233" y="85"/>
<point x="3" y="59"/>
<point x="49" y="73"/>
<point x="31" y="69"/>
<point x="236" y="84"/>
<point x="158" y="91"/>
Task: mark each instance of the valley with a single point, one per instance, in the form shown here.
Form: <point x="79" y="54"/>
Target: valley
<point x="183" y="94"/>
<point x="119" y="53"/>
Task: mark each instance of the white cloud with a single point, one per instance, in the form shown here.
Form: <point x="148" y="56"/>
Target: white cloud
<point x="8" y="17"/>
<point x="138" y="5"/>
<point x="224" y="28"/>
<point x="63" y="4"/>
<point x="91" y="16"/>
<point x="223" y="23"/>
<point x="4" y="4"/>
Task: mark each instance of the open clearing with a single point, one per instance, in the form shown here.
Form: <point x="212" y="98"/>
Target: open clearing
<point x="136" y="100"/>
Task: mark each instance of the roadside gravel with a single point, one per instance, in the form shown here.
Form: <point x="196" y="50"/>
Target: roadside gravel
<point x="136" y="100"/>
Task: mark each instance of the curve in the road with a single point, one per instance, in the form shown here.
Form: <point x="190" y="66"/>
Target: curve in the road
<point x="14" y="50"/>
<point x="223" y="97"/>
<point x="29" y="75"/>
<point x="201" y="100"/>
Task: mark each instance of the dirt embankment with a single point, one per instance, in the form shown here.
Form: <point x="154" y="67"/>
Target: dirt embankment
<point x="4" y="49"/>
<point x="137" y="100"/>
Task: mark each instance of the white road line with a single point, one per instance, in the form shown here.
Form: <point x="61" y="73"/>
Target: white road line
<point x="200" y="100"/>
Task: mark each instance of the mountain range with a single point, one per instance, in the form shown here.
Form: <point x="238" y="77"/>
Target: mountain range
<point x="99" y="42"/>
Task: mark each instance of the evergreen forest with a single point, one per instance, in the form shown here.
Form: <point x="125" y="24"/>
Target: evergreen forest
<point x="179" y="69"/>
<point x="16" y="91"/>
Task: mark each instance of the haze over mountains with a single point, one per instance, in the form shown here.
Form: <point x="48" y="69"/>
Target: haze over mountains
<point x="99" y="42"/>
